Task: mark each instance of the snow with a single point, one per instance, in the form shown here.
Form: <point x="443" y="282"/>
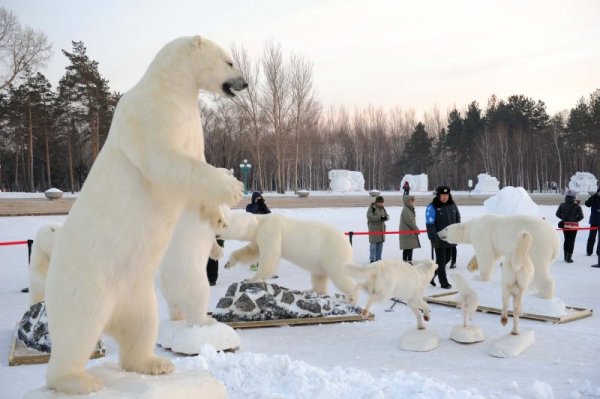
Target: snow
<point x="182" y="338"/>
<point x="583" y="183"/>
<point x="486" y="184"/>
<point x="418" y="183"/>
<point x="512" y="345"/>
<point x="362" y="359"/>
<point x="346" y="181"/>
<point x="511" y="201"/>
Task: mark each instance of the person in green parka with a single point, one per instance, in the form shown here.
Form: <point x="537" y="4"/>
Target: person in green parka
<point x="376" y="218"/>
<point x="408" y="221"/>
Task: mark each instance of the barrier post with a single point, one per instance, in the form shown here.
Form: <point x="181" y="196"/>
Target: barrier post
<point x="350" y="234"/>
<point x="29" y="245"/>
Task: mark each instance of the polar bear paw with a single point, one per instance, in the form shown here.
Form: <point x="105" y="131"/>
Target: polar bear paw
<point x="473" y="265"/>
<point x="230" y="264"/>
<point x="216" y="252"/>
<point x="156" y="366"/>
<point x="228" y="190"/>
<point x="215" y="217"/>
<point x="78" y="384"/>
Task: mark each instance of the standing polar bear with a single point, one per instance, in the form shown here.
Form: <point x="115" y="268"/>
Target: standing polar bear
<point x="41" y="250"/>
<point x="495" y="236"/>
<point x="150" y="169"/>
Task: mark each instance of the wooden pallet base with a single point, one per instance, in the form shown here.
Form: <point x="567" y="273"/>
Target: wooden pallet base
<point x="573" y="313"/>
<point x="21" y="354"/>
<point x="299" y="322"/>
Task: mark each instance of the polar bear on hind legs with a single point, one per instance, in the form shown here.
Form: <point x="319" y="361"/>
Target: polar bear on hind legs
<point x="151" y="168"/>
<point x="495" y="236"/>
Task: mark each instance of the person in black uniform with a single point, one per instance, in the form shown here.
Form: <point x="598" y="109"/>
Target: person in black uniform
<point x="439" y="214"/>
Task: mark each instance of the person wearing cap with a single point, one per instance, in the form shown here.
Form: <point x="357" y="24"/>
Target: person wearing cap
<point x="257" y="205"/>
<point x="376" y="218"/>
<point x="594" y="204"/>
<point x="439" y="214"/>
<point x="569" y="213"/>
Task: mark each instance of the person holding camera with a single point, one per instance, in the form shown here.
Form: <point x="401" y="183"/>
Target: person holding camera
<point x="569" y="213"/>
<point x="594" y="204"/>
<point x="376" y="218"/>
<point x="258" y="205"/>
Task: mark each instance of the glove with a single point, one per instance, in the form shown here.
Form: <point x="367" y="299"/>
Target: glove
<point x="384" y="218"/>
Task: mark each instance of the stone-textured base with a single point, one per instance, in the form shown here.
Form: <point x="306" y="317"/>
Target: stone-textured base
<point x="467" y="335"/>
<point x="119" y="384"/>
<point x="419" y="341"/>
<point x="512" y="345"/>
<point x="181" y="338"/>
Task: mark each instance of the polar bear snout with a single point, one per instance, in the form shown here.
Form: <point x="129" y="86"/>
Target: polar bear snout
<point x="237" y="84"/>
<point x="443" y="234"/>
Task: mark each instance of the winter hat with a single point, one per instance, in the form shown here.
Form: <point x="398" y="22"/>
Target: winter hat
<point x="571" y="193"/>
<point x="379" y="199"/>
<point x="442" y="190"/>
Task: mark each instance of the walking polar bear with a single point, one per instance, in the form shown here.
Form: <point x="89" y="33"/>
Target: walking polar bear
<point x="41" y="250"/>
<point x="314" y="246"/>
<point x="495" y="236"/>
<point x="150" y="169"/>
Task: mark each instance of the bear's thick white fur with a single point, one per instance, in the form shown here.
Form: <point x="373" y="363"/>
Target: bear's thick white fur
<point x="468" y="300"/>
<point x="495" y="236"/>
<point x="150" y="169"/>
<point x="389" y="278"/>
<point x="40" y="259"/>
<point x="314" y="246"/>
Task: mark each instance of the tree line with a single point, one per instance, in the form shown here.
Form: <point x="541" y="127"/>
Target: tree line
<point x="50" y="137"/>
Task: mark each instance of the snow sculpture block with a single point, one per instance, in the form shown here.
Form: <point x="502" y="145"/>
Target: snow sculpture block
<point x="583" y="183"/>
<point x="418" y="183"/>
<point x="512" y="345"/>
<point x="346" y="180"/>
<point x="53" y="193"/>
<point x="511" y="201"/>
<point x="419" y="341"/>
<point x="120" y="384"/>
<point x="486" y="184"/>
<point x="181" y="338"/>
<point x="467" y="335"/>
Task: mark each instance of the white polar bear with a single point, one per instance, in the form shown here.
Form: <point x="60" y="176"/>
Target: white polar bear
<point x="495" y="236"/>
<point x="40" y="259"/>
<point x="151" y="167"/>
<point x="312" y="245"/>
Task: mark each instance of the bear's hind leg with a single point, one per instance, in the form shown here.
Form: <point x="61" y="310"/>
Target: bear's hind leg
<point x="319" y="283"/>
<point x="134" y="325"/>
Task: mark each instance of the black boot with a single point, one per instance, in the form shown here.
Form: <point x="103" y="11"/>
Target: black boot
<point x="569" y="257"/>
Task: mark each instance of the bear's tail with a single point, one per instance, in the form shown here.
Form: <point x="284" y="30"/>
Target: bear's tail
<point x="521" y="254"/>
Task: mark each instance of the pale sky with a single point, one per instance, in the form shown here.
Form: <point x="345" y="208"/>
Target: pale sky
<point x="412" y="54"/>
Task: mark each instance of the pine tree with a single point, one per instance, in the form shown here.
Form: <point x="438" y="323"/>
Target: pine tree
<point x="418" y="151"/>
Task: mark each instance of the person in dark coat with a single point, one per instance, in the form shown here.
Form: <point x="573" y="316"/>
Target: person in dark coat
<point x="258" y="205"/>
<point x="594" y="203"/>
<point x="439" y="214"/>
<point x="406" y="187"/>
<point x="376" y="218"/>
<point x="212" y="267"/>
<point x="570" y="213"/>
<point x="408" y="221"/>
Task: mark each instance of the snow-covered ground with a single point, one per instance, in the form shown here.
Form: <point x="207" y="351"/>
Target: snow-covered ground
<point x="361" y="359"/>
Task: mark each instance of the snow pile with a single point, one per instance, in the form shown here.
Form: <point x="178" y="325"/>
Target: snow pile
<point x="346" y="180"/>
<point x="486" y="184"/>
<point x="583" y="183"/>
<point x="262" y="301"/>
<point x="53" y="193"/>
<point x="181" y="338"/>
<point x="511" y="201"/>
<point x="253" y="375"/>
<point x="418" y="183"/>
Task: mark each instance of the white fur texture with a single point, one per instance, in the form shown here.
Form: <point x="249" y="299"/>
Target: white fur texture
<point x="151" y="167"/>
<point x="494" y="236"/>
<point x="314" y="246"/>
<point x="468" y="298"/>
<point x="389" y="278"/>
<point x="41" y="250"/>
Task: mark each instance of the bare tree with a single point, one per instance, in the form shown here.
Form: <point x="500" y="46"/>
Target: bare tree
<point x="21" y="48"/>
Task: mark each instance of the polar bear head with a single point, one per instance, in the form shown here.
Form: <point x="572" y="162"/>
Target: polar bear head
<point x="200" y="63"/>
<point x="456" y="233"/>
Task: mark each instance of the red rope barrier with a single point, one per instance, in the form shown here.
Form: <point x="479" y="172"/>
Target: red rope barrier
<point x="13" y="243"/>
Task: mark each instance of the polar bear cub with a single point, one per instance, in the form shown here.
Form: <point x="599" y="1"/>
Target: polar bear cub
<point x="314" y="246"/>
<point x="151" y="167"/>
<point x="495" y="236"/>
<point x="40" y="259"/>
